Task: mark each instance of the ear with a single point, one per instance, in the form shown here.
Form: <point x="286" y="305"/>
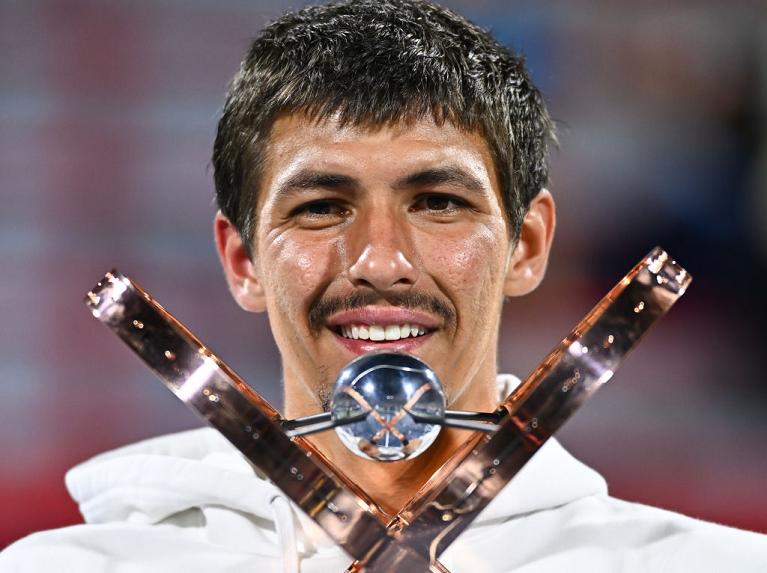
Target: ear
<point x="239" y="269"/>
<point x="531" y="255"/>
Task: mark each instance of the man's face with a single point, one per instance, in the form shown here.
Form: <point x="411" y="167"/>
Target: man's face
<point x="387" y="238"/>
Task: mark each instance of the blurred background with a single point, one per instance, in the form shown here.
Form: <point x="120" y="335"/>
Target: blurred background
<point x="107" y="117"/>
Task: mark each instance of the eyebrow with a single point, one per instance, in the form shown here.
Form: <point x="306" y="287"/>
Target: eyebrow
<point x="311" y="179"/>
<point x="440" y="175"/>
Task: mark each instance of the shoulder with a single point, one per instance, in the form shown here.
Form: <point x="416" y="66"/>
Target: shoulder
<point x="129" y="548"/>
<point x="147" y="508"/>
<point x="670" y="541"/>
<point x="600" y="533"/>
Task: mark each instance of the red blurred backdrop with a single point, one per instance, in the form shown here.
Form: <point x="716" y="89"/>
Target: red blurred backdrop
<point x="107" y="117"/>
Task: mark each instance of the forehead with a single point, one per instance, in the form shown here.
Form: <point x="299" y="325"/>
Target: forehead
<point x="371" y="152"/>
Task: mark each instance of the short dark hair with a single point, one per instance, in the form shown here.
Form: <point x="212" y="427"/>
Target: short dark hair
<point x="376" y="62"/>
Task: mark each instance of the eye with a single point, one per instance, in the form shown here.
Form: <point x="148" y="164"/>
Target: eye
<point x="319" y="213"/>
<point x="321" y="208"/>
<point x="439" y="203"/>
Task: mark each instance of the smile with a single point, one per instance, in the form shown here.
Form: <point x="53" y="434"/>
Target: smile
<point x="379" y="332"/>
<point x="372" y="327"/>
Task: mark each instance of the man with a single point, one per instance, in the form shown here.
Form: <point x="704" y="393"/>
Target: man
<point x="380" y="170"/>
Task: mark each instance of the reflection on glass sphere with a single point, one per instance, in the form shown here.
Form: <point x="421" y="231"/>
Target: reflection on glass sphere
<point x="378" y="389"/>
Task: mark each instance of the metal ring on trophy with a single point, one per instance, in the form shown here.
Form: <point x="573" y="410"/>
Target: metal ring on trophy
<point x="389" y="406"/>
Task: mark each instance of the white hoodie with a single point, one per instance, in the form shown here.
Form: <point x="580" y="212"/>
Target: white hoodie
<point x="190" y="503"/>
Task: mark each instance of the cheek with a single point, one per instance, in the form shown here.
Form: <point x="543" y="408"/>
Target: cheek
<point x="297" y="272"/>
<point x="472" y="265"/>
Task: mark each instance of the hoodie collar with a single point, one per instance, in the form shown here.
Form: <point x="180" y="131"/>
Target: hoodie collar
<point x="152" y="480"/>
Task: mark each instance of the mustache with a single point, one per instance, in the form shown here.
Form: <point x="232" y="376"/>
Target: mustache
<point x="326" y="306"/>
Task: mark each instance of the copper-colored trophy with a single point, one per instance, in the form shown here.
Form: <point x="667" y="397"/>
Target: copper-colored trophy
<point x="453" y="497"/>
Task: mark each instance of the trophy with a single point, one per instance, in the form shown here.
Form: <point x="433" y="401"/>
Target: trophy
<point x="390" y="406"/>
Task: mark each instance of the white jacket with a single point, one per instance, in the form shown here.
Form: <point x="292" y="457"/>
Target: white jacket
<point x="190" y="503"/>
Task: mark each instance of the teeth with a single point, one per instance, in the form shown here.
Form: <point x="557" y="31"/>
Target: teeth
<point x="379" y="333"/>
<point x="392" y="332"/>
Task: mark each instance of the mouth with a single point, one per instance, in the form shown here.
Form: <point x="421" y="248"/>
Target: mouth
<point x="378" y="328"/>
<point x="380" y="332"/>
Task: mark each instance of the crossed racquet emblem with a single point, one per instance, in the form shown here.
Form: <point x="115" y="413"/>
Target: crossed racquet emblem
<point x="453" y="497"/>
<point x="387" y="426"/>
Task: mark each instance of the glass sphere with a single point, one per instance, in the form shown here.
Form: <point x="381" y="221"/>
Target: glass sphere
<point x="374" y="395"/>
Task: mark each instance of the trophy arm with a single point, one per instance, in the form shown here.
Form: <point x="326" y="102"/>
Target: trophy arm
<point x="218" y="395"/>
<point x="569" y="375"/>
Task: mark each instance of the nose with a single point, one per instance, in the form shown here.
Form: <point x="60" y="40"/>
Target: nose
<point x="381" y="252"/>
